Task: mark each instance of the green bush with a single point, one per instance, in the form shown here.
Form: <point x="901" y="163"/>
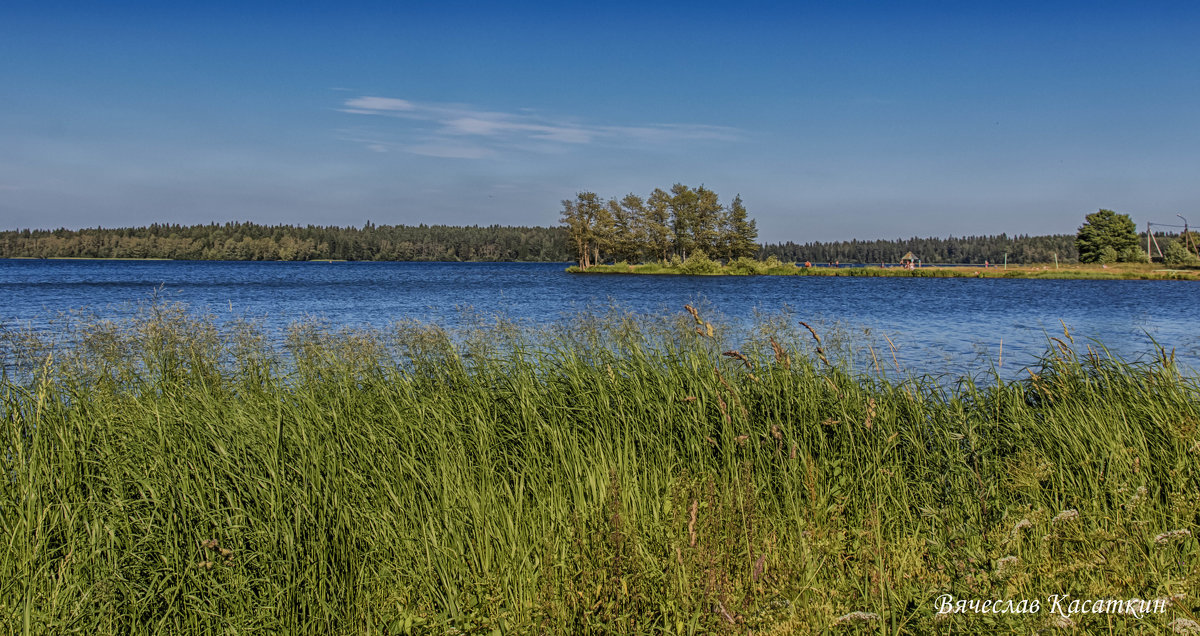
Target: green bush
<point x="744" y="265"/>
<point x="699" y="263"/>
<point x="1177" y="254"/>
<point x="1107" y="255"/>
<point x="1133" y="255"/>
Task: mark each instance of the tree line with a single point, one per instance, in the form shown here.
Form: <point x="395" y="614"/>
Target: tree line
<point x="634" y="230"/>
<point x="968" y="249"/>
<point x="683" y="221"/>
<point x="254" y="242"/>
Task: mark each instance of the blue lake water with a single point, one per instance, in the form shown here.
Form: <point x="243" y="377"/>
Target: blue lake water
<point x="938" y="325"/>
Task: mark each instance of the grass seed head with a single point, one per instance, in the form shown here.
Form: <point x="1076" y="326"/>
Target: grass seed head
<point x="1065" y="516"/>
<point x="1184" y="626"/>
<point x="737" y="355"/>
<point x="1021" y="525"/>
<point x="1173" y="536"/>
<point x="856" y="617"/>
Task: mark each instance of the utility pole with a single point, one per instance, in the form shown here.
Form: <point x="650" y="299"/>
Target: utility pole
<point x="1187" y="237"/>
<point x="1157" y="247"/>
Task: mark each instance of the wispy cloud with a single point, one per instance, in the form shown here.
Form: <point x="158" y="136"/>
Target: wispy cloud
<point x="466" y="132"/>
<point x="378" y="104"/>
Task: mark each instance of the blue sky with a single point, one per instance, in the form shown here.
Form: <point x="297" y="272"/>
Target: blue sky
<point x="833" y="120"/>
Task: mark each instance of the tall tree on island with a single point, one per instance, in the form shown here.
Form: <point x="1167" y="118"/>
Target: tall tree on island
<point x="657" y="225"/>
<point x="603" y="230"/>
<point x="683" y="218"/>
<point x="585" y="221"/>
<point x="707" y="225"/>
<point x="628" y="216"/>
<point x="740" y="231"/>
<point x="576" y="230"/>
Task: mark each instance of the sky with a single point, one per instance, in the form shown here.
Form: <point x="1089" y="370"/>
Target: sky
<point x="833" y="120"/>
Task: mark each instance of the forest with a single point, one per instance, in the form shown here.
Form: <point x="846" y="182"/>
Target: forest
<point x="967" y="249"/>
<point x="652" y="241"/>
<point x="254" y="242"/>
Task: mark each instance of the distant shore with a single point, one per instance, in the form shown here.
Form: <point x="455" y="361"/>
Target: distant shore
<point x="83" y="258"/>
<point x="1118" y="271"/>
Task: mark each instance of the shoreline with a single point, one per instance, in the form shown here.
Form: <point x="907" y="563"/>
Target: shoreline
<point x="1121" y="271"/>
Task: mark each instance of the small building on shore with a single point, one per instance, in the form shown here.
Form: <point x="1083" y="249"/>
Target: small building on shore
<point x="909" y="261"/>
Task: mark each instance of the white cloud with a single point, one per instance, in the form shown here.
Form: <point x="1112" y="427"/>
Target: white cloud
<point x="449" y="150"/>
<point x="379" y="104"/>
<point x="465" y="132"/>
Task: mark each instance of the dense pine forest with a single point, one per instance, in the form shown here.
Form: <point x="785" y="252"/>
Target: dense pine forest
<point x="967" y="249"/>
<point x="253" y="242"/>
<point x="250" y="241"/>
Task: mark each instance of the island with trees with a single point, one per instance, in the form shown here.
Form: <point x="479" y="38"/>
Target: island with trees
<point x="688" y="231"/>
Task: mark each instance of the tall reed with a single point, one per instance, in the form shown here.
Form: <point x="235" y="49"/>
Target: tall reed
<point x="611" y="474"/>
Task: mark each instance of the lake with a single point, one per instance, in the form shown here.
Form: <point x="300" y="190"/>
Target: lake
<point x="938" y="325"/>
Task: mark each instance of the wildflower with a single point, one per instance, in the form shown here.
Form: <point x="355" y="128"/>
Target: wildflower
<point x="1003" y="566"/>
<point x="1184" y="626"/>
<point x="1174" y="599"/>
<point x="1065" y="516"/>
<point x="856" y="616"/>
<point x="1021" y="525"/>
<point x="1172" y="536"/>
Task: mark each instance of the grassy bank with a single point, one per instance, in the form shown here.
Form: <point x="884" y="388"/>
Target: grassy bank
<point x="615" y="474"/>
<point x="1118" y="271"/>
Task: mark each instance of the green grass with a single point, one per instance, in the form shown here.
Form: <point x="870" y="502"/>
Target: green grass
<point x="614" y="474"/>
<point x="1121" y="271"/>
